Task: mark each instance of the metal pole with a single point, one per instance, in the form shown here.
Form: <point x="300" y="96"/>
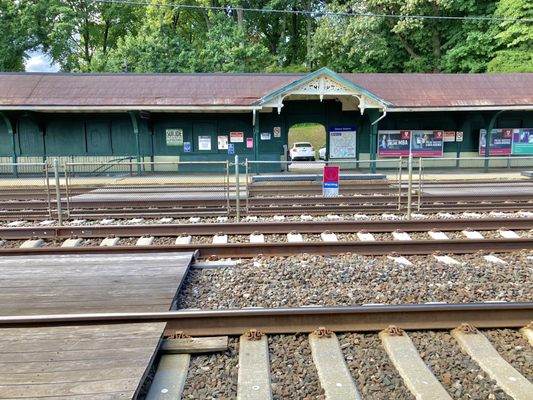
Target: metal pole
<point x="48" y="197"/>
<point x="400" y="184"/>
<point x="227" y="187"/>
<point x="410" y="185"/>
<point x="246" y="176"/>
<point x="419" y="182"/>
<point x="58" y="192"/>
<point x="237" y="190"/>
<point x="67" y="188"/>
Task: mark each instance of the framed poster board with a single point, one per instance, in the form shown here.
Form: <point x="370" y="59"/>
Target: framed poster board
<point x="174" y="137"/>
<point x="204" y="143"/>
<point x="522" y="141"/>
<point x="500" y="142"/>
<point x="342" y="142"/>
<point x="393" y="143"/>
<point x="427" y="143"/>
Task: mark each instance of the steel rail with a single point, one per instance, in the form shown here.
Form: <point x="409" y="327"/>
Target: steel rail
<point x="250" y="250"/>
<point x="247" y="228"/>
<point x="301" y="319"/>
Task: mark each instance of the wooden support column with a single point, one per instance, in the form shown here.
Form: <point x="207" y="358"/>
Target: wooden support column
<point x="135" y="125"/>
<point x="256" y="139"/>
<point x="11" y="133"/>
<point x="373" y="115"/>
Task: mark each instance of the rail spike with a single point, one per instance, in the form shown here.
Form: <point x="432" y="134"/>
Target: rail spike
<point x="322" y="332"/>
<point x="467" y="328"/>
<point x="254" y="334"/>
<point x="394" y="330"/>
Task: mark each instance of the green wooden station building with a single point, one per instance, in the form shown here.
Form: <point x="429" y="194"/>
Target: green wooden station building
<point x="199" y="117"/>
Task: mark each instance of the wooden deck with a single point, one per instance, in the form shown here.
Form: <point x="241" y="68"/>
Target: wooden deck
<point x="83" y="362"/>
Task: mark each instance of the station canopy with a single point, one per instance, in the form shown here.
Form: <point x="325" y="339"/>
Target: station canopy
<point x="263" y="91"/>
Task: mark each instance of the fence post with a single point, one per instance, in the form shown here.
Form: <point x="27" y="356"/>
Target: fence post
<point x="48" y="196"/>
<point x="419" y="183"/>
<point x="58" y="193"/>
<point x="247" y="183"/>
<point x="410" y="185"/>
<point x="227" y="187"/>
<point x="237" y="191"/>
<point x="400" y="168"/>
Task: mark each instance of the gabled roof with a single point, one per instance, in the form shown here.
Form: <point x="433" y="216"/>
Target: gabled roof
<point x="245" y="91"/>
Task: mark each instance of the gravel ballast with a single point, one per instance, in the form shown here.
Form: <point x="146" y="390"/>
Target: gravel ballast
<point x="352" y="280"/>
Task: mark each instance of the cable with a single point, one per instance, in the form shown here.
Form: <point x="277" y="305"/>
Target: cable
<point x="314" y="13"/>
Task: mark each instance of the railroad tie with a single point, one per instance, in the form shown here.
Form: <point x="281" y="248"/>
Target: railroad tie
<point x="365" y="237"/>
<point x="170" y="377"/>
<point x="32" y="244"/>
<point x="257" y="237"/>
<point x="295" y="237"/>
<point x="254" y="368"/>
<point x="481" y="350"/>
<point x="334" y="375"/>
<point x="528" y="333"/>
<point x="446" y="260"/>
<point x="184" y="239"/>
<point x="473" y="235"/>
<point x="438" y="235"/>
<point x="400" y="235"/>
<point x="414" y="372"/>
<point x="328" y="237"/>
<point x="145" y="241"/>
<point x="220" y="238"/>
<point x="109" y="242"/>
<point x="72" y="242"/>
<point x="508" y="234"/>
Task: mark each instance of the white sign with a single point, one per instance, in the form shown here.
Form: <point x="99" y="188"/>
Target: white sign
<point x="265" y="135"/>
<point x="277" y="131"/>
<point x="342" y="144"/>
<point x="459" y="136"/>
<point x="204" y="143"/>
<point x="236" y="137"/>
<point x="449" y="136"/>
<point x="223" y="142"/>
<point x="174" y="137"/>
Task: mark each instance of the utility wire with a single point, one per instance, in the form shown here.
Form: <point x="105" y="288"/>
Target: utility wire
<point x="314" y="13"/>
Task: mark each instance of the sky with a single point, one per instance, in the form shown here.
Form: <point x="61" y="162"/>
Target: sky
<point x="39" y="62"/>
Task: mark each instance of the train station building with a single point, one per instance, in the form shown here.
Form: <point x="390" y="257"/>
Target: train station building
<point x="200" y="117"/>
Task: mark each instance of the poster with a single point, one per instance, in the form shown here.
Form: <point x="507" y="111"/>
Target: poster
<point x="204" y="143"/>
<point x="500" y="142"/>
<point x="223" y="142"/>
<point x="174" y="137"/>
<point x="393" y="143"/>
<point x="277" y="131"/>
<point x="449" y="136"/>
<point x="265" y="135"/>
<point x="426" y="143"/>
<point x="523" y="141"/>
<point x="249" y="143"/>
<point x="342" y="142"/>
<point x="236" y="137"/>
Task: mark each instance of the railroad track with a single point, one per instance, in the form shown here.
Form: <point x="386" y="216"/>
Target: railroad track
<point x="330" y="337"/>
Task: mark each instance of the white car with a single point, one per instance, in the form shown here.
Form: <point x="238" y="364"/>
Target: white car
<point x="302" y="151"/>
<point x="322" y="153"/>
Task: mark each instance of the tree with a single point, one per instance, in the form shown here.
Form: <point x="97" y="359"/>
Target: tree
<point x="515" y="40"/>
<point x="14" y="38"/>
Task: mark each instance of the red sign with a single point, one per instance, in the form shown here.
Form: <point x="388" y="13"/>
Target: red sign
<point x="331" y="176"/>
<point x="249" y="143"/>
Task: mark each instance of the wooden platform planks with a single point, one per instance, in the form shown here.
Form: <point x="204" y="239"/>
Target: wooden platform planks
<point x="97" y="362"/>
<point x="87" y="283"/>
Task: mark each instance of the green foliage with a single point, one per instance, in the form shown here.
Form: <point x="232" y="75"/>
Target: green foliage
<point x="515" y="40"/>
<point x="87" y="36"/>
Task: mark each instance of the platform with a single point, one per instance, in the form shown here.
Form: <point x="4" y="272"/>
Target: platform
<point x="314" y="177"/>
<point x="528" y="174"/>
<point x="83" y="362"/>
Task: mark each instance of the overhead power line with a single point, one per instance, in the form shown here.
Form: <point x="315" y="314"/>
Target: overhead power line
<point x="314" y="13"/>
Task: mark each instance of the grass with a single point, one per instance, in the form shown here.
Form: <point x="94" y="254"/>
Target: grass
<point x="308" y="132"/>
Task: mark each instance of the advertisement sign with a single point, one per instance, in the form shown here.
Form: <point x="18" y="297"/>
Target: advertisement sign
<point x="342" y="142"/>
<point x="249" y="143"/>
<point x="500" y="142"/>
<point x="427" y="143"/>
<point x="393" y="143"/>
<point x="449" y="136"/>
<point x="174" y="137"/>
<point x="231" y="148"/>
<point x="204" y="143"/>
<point x="277" y="131"/>
<point x="223" y="142"/>
<point x="330" y="182"/>
<point x="265" y="135"/>
<point x="523" y="141"/>
<point x="236" y="137"/>
<point x="187" y="148"/>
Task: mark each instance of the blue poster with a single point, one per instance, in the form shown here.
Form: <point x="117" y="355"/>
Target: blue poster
<point x="187" y="147"/>
<point x="231" y="148"/>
